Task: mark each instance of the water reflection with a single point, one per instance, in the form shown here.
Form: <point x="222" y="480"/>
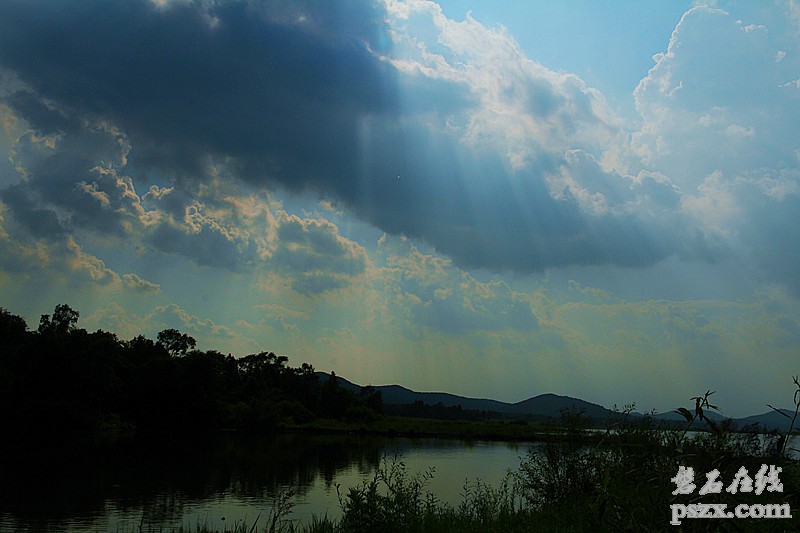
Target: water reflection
<point x="63" y="482"/>
<point x="156" y="482"/>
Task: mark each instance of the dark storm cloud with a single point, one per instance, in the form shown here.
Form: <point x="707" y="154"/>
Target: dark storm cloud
<point x="773" y="233"/>
<point x="314" y="257"/>
<point x="65" y="179"/>
<point x="473" y="208"/>
<point x="279" y="82"/>
<point x="206" y="247"/>
<point x="40" y="223"/>
<point x="296" y="93"/>
<point x="41" y="117"/>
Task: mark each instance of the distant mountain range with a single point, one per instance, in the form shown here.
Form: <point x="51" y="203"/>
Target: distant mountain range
<point x="769" y="420"/>
<point x="546" y="406"/>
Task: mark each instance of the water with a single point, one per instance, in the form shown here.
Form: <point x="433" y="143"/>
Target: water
<point x="119" y="483"/>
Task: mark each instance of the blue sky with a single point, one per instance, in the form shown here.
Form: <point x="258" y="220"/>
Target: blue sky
<point x="494" y="199"/>
<point x="608" y="44"/>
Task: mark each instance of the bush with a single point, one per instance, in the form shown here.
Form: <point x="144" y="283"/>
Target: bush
<point x="563" y="468"/>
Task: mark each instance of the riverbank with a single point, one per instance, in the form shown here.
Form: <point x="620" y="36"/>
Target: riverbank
<point x="565" y="487"/>
<point x="395" y="426"/>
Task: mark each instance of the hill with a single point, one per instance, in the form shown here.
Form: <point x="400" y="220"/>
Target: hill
<point x="548" y="405"/>
<point x="770" y="420"/>
<point x="541" y="406"/>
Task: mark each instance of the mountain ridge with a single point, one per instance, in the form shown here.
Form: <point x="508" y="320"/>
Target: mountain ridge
<point x="545" y="405"/>
<point x="541" y="406"/>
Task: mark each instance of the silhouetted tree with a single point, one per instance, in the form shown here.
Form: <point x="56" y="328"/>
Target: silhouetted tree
<point x="334" y="400"/>
<point x="372" y="398"/>
<point x="62" y="377"/>
<point x="63" y="321"/>
<point x="12" y="327"/>
<point x="175" y="342"/>
<point x="144" y="346"/>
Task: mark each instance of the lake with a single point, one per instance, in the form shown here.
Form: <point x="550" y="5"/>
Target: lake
<point x="117" y="482"/>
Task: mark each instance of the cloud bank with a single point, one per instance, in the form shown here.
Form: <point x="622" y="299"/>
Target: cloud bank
<point x="438" y="130"/>
<point x="352" y="182"/>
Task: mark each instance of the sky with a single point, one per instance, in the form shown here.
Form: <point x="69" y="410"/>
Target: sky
<point x="597" y="199"/>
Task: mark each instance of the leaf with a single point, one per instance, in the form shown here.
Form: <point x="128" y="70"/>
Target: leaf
<point x="779" y="411"/>
<point x="685" y="412"/>
<point x="698" y="410"/>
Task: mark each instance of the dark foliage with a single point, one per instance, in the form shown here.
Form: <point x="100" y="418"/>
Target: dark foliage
<point x="61" y="376"/>
<point x="419" y="409"/>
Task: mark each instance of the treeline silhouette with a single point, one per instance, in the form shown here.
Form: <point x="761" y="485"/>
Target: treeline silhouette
<point x="438" y="411"/>
<point x="61" y="376"/>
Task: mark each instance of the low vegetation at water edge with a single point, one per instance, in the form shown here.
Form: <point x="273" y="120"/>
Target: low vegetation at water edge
<point x="628" y="480"/>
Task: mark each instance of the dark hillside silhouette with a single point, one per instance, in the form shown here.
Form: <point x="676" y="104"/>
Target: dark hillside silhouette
<point x="63" y="377"/>
<point x="401" y="401"/>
